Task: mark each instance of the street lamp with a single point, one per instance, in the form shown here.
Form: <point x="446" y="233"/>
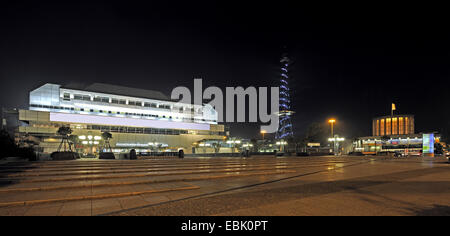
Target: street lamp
<point x="263" y="132"/>
<point x="332" y="121"/>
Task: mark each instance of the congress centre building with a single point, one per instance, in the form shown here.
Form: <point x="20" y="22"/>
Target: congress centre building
<point x="138" y="119"/>
<point x="396" y="133"/>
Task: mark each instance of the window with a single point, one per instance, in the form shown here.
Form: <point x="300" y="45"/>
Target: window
<point x="407" y="125"/>
<point x="101" y="99"/>
<point x="411" y="126"/>
<point x="82" y="97"/>
<point x="132" y="103"/>
<point x="382" y="127"/>
<point x="139" y="104"/>
<point x="394" y="126"/>
<point x="123" y="102"/>
<point x="401" y="126"/>
<point x="377" y="128"/>
<point x="115" y="101"/>
<point x="388" y="126"/>
<point x="66" y="97"/>
<point x="148" y="104"/>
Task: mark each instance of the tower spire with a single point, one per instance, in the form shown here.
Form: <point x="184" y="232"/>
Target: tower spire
<point x="285" y="113"/>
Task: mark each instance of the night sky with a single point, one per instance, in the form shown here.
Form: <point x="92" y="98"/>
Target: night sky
<point x="351" y="61"/>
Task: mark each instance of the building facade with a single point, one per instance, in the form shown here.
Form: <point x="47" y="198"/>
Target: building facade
<point x="394" y="134"/>
<point x="138" y="119"/>
<point x="393" y="125"/>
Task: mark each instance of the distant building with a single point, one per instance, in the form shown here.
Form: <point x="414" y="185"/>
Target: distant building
<point x="392" y="134"/>
<point x="138" y="119"/>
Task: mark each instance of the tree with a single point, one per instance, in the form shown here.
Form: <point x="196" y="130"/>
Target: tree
<point x="7" y="145"/>
<point x="316" y="133"/>
<point x="216" y="145"/>
<point x="255" y="145"/>
<point x="438" y="148"/>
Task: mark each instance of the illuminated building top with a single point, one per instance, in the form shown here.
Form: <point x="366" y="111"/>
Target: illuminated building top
<point x="113" y="102"/>
<point x="393" y="125"/>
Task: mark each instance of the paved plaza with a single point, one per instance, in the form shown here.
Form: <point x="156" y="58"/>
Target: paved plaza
<point x="260" y="185"/>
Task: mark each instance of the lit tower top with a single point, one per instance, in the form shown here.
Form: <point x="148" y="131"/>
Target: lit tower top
<point x="285" y="113"/>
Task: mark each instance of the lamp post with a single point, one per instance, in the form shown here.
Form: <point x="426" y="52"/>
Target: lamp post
<point x="332" y="121"/>
<point x="263" y="132"/>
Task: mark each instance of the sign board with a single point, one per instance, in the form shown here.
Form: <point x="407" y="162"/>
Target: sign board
<point x="313" y="144"/>
<point x="428" y="144"/>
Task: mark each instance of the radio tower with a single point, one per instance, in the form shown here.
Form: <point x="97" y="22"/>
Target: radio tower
<point x="285" y="113"/>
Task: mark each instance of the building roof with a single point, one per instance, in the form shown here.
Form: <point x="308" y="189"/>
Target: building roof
<point x="394" y="116"/>
<point x="119" y="90"/>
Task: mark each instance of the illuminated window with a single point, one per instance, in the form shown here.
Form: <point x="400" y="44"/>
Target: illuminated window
<point x="407" y="125"/>
<point x="382" y="127"/>
<point x="388" y="126"/>
<point x="377" y="132"/>
<point x="394" y="125"/>
<point x="401" y="126"/>
<point x="374" y="130"/>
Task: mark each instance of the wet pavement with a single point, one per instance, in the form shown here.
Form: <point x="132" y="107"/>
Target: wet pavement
<point x="261" y="185"/>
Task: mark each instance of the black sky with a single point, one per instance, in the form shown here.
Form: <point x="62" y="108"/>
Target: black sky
<point x="351" y="61"/>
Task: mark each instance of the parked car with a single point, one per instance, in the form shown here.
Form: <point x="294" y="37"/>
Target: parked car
<point x="398" y="154"/>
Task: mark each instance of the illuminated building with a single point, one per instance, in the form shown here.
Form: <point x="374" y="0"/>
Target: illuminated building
<point x="138" y="119"/>
<point x="393" y="125"/>
<point x="393" y="134"/>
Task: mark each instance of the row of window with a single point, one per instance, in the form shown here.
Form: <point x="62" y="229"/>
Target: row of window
<point x="118" y="113"/>
<point x="393" y="126"/>
<point x="134" y="130"/>
<point x="66" y="97"/>
<point x="137" y="130"/>
<point x="131" y="130"/>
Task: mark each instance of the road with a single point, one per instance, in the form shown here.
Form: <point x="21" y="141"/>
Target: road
<point x="261" y="185"/>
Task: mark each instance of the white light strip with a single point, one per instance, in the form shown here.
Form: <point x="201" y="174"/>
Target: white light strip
<point x="118" y="121"/>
